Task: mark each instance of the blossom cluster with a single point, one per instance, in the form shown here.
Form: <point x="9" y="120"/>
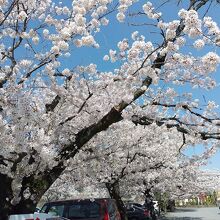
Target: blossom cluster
<point x="193" y="24"/>
<point x="150" y="12"/>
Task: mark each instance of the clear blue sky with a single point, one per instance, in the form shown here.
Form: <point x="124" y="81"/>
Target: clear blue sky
<point x="213" y="162"/>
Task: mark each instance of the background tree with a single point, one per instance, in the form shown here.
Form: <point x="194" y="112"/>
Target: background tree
<point x="134" y="162"/>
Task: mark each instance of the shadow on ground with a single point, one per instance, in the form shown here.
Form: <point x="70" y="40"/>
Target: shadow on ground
<point x="181" y="218"/>
<point x="185" y="210"/>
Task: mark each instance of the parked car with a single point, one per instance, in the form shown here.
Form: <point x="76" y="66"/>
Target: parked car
<point x="83" y="209"/>
<point x="136" y="211"/>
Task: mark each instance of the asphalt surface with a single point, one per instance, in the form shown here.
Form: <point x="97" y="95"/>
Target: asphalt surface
<point x="210" y="213"/>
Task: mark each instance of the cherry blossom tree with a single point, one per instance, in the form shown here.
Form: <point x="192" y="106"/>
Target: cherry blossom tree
<point x="133" y="161"/>
<point x="49" y="110"/>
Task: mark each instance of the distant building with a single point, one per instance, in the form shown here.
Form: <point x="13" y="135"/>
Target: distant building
<point x="204" y="198"/>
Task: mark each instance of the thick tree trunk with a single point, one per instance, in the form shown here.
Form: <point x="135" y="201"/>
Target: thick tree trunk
<point x="26" y="206"/>
<point x="149" y="203"/>
<point x="7" y="208"/>
<point x="114" y="193"/>
<point x="5" y="193"/>
<point x="37" y="186"/>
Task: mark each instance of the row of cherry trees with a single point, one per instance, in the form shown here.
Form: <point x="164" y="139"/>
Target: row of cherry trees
<point x="132" y="162"/>
<point x="52" y="113"/>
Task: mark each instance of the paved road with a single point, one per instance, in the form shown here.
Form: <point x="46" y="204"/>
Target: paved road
<point x="212" y="213"/>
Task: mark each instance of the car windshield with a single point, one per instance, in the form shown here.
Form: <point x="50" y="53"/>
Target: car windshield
<point x="84" y="209"/>
<point x="54" y="210"/>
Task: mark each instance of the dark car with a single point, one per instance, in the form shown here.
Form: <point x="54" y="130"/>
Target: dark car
<point x="83" y="209"/>
<point x="136" y="211"/>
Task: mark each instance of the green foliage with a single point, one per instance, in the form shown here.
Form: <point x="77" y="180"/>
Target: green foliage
<point x="39" y="184"/>
<point x="162" y="199"/>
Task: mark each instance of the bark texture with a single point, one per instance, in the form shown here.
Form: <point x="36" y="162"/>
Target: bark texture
<point x="114" y="193"/>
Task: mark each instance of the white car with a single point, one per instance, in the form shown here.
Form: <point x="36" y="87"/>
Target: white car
<point x="35" y="216"/>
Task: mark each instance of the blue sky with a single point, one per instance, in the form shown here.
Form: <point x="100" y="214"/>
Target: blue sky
<point x="213" y="163"/>
<point x="110" y="35"/>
